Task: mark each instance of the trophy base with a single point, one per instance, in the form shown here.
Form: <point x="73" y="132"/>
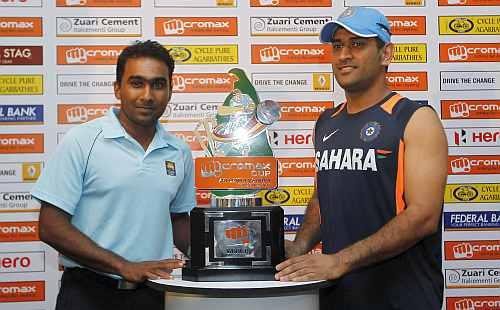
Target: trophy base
<point x="228" y="275"/>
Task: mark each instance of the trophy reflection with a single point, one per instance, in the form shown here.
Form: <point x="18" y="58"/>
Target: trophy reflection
<point x="236" y="238"/>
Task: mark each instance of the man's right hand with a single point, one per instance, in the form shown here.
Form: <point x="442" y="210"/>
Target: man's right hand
<point x="150" y="270"/>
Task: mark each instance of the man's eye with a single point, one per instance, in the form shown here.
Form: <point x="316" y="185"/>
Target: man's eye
<point x="357" y="43"/>
<point x="159" y="84"/>
<point x="136" y="83"/>
<point x="337" y="46"/>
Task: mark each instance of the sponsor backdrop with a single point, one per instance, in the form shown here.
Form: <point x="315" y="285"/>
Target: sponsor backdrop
<point x="57" y="68"/>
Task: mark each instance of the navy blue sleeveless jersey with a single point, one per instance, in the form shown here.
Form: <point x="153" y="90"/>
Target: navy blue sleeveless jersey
<point x="360" y="182"/>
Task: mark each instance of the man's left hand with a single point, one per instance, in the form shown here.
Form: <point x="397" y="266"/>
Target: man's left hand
<point x="311" y="267"/>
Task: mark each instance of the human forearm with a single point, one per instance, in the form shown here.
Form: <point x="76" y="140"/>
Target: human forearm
<point x="181" y="231"/>
<point x="308" y="234"/>
<point x="57" y="231"/>
<point x="399" y="234"/>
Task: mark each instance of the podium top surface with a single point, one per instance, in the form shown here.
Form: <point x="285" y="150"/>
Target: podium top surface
<point x="237" y="288"/>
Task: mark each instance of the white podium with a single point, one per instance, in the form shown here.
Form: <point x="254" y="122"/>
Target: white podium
<point x="244" y="295"/>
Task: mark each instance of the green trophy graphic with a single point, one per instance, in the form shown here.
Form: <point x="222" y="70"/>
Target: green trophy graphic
<point x="239" y="127"/>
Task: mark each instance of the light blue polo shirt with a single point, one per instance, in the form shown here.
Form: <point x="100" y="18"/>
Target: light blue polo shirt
<point x="118" y="194"/>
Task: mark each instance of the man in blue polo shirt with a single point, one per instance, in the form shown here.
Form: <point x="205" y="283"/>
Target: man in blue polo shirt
<point x="117" y="193"/>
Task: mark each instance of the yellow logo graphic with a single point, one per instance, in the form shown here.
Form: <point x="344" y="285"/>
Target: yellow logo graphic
<point x="31" y="171"/>
<point x="414" y="2"/>
<point x="322" y="82"/>
<point x="204" y="54"/>
<point x="287" y="196"/>
<point x="31" y="84"/>
<point x="477" y="192"/>
<point x="410" y="53"/>
<point x="473" y="25"/>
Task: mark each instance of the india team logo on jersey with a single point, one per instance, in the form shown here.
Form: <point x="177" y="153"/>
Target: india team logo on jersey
<point x="370" y="131"/>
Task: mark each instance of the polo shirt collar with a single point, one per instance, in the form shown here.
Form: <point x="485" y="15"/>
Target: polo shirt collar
<point x="112" y="128"/>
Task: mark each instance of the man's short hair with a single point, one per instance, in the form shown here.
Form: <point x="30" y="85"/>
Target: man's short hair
<point x="148" y="49"/>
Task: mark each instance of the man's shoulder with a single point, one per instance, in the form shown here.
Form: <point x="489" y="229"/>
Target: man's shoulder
<point x="84" y="132"/>
<point x="176" y="142"/>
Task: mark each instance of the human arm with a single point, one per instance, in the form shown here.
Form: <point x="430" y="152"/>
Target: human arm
<point x="425" y="161"/>
<point x="181" y="231"/>
<point x="308" y="234"/>
<point x="57" y="231"/>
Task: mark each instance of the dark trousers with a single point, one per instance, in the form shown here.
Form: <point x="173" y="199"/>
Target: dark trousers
<point x="82" y="289"/>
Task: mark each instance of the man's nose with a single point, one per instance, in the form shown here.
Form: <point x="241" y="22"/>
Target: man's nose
<point x="147" y="93"/>
<point x="345" y="52"/>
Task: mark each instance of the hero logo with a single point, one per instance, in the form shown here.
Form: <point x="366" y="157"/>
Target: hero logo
<point x="273" y="53"/>
<point x="466" y="250"/>
<point x="17" y="141"/>
<point x="80" y="55"/>
<point x="461" y="53"/>
<point x="176" y="26"/>
<point x="180" y="83"/>
<point x="300" y="139"/>
<point x="269" y="2"/>
<point x="463" y="137"/>
<point x="463" y="109"/>
<point x="17" y="25"/>
<point x="81" y="114"/>
<point x="11" y="53"/>
<point x="465" y="165"/>
<point x="469" y="304"/>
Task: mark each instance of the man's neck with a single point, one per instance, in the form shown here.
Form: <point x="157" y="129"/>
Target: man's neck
<point x="358" y="101"/>
<point x="143" y="135"/>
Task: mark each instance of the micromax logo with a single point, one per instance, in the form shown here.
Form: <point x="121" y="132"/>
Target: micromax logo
<point x="177" y="26"/>
<point x="274" y="54"/>
<point x="80" y="55"/>
<point x="17" y="141"/>
<point x="17" y="25"/>
<point x="461" y="53"/>
<point x="181" y="83"/>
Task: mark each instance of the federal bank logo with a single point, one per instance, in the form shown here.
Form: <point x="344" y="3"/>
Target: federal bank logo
<point x="21" y="3"/>
<point x="473" y="303"/>
<point x="407" y="81"/>
<point x="14" y="114"/>
<point x="469" y="52"/>
<point x="293" y="82"/>
<point x="28" y="84"/>
<point x="15" y="262"/>
<point x="204" y="54"/>
<point x="470" y="109"/>
<point x="21" y="27"/>
<point x="292" y="54"/>
<point x="18" y="202"/>
<point x="472" y="250"/>
<point x="88" y="55"/>
<point x="287" y="25"/>
<point x="22" y="291"/>
<point x="203" y="82"/>
<point x="473" y="136"/>
<point x="98" y="3"/>
<point x="19" y="231"/>
<point x="474" y="164"/>
<point x="81" y="113"/>
<point x="384" y="3"/>
<point x="470" y="25"/>
<point x="477" y="220"/>
<point x="196" y="26"/>
<point x="196" y="3"/>
<point x="290" y="3"/>
<point x="291" y="138"/>
<point x="472" y="192"/>
<point x="407" y="25"/>
<point x="20" y="172"/>
<point x="472" y="278"/>
<point x="21" y="55"/>
<point x="292" y="222"/>
<point x="99" y="26"/>
<point x="410" y="53"/>
<point x="21" y="143"/>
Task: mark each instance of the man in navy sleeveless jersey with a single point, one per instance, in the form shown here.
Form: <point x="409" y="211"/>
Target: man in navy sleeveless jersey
<point x="381" y="171"/>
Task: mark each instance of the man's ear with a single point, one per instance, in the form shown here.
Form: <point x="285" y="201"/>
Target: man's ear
<point x="116" y="87"/>
<point x="387" y="54"/>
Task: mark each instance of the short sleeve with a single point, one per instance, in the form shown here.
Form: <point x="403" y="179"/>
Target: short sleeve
<point x="185" y="199"/>
<point x="60" y="183"/>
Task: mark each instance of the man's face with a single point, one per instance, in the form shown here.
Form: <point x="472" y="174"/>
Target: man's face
<point x="144" y="91"/>
<point x="357" y="61"/>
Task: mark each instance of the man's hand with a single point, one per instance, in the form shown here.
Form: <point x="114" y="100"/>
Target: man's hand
<point x="152" y="270"/>
<point x="310" y="267"/>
